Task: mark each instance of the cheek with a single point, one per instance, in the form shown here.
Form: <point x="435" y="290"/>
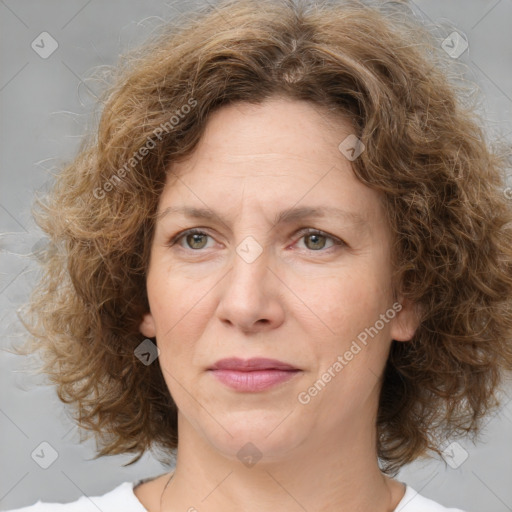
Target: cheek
<point x="351" y="353"/>
<point x="175" y="299"/>
<point x="349" y="308"/>
<point x="180" y="310"/>
<point x="345" y="304"/>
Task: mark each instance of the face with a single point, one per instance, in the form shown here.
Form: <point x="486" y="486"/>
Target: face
<point x="289" y="261"/>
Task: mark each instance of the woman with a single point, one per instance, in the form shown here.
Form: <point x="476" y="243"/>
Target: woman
<point x="284" y="255"/>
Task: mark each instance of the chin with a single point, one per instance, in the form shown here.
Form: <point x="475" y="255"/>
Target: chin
<point x="258" y="434"/>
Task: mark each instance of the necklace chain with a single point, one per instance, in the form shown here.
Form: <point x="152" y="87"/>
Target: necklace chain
<point x="172" y="475"/>
<point x="162" y="496"/>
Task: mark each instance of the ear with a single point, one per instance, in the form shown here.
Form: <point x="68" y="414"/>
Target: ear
<point x="147" y="326"/>
<point x="406" y="320"/>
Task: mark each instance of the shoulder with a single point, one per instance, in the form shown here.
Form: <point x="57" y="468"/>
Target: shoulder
<point x="122" y="496"/>
<point x="415" y="502"/>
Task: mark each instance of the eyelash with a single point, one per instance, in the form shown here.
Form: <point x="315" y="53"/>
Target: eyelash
<point x="302" y="232"/>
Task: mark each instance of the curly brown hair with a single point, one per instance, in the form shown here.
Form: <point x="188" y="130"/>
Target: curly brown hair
<point x="426" y="153"/>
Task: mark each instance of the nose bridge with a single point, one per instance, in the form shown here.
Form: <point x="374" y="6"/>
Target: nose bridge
<point x="252" y="238"/>
<point x="250" y="249"/>
<point x="247" y="298"/>
<point x="249" y="265"/>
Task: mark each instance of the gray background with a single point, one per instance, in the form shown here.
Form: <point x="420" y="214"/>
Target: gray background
<point x="45" y="105"/>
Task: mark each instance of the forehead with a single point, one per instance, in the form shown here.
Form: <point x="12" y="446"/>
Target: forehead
<point x="278" y="128"/>
<point x="275" y="155"/>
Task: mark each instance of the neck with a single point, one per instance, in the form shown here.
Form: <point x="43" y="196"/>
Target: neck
<point x="320" y="475"/>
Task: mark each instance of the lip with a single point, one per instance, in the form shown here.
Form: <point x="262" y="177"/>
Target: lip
<point x="252" y="375"/>
<point x="249" y="365"/>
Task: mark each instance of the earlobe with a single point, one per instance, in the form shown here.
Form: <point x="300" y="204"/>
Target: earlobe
<point x="406" y="321"/>
<point x="147" y="326"/>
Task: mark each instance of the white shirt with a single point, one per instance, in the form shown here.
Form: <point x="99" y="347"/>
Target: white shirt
<point x="123" y="499"/>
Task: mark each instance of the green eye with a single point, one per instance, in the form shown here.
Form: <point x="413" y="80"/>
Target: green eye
<point x="195" y="239"/>
<point x="314" y="240"/>
<point x="317" y="241"/>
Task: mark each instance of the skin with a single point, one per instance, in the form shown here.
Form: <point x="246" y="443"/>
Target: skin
<point x="303" y="301"/>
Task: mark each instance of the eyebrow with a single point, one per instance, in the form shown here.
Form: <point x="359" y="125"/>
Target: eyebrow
<point x="286" y="216"/>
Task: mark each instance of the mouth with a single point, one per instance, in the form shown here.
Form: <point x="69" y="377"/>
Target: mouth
<point x="249" y="365"/>
<point x="252" y="375"/>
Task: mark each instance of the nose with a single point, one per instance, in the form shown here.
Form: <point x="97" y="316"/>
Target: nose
<point x="251" y="295"/>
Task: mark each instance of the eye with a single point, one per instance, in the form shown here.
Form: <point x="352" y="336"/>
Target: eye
<point x="195" y="239"/>
<point x="315" y="240"/>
